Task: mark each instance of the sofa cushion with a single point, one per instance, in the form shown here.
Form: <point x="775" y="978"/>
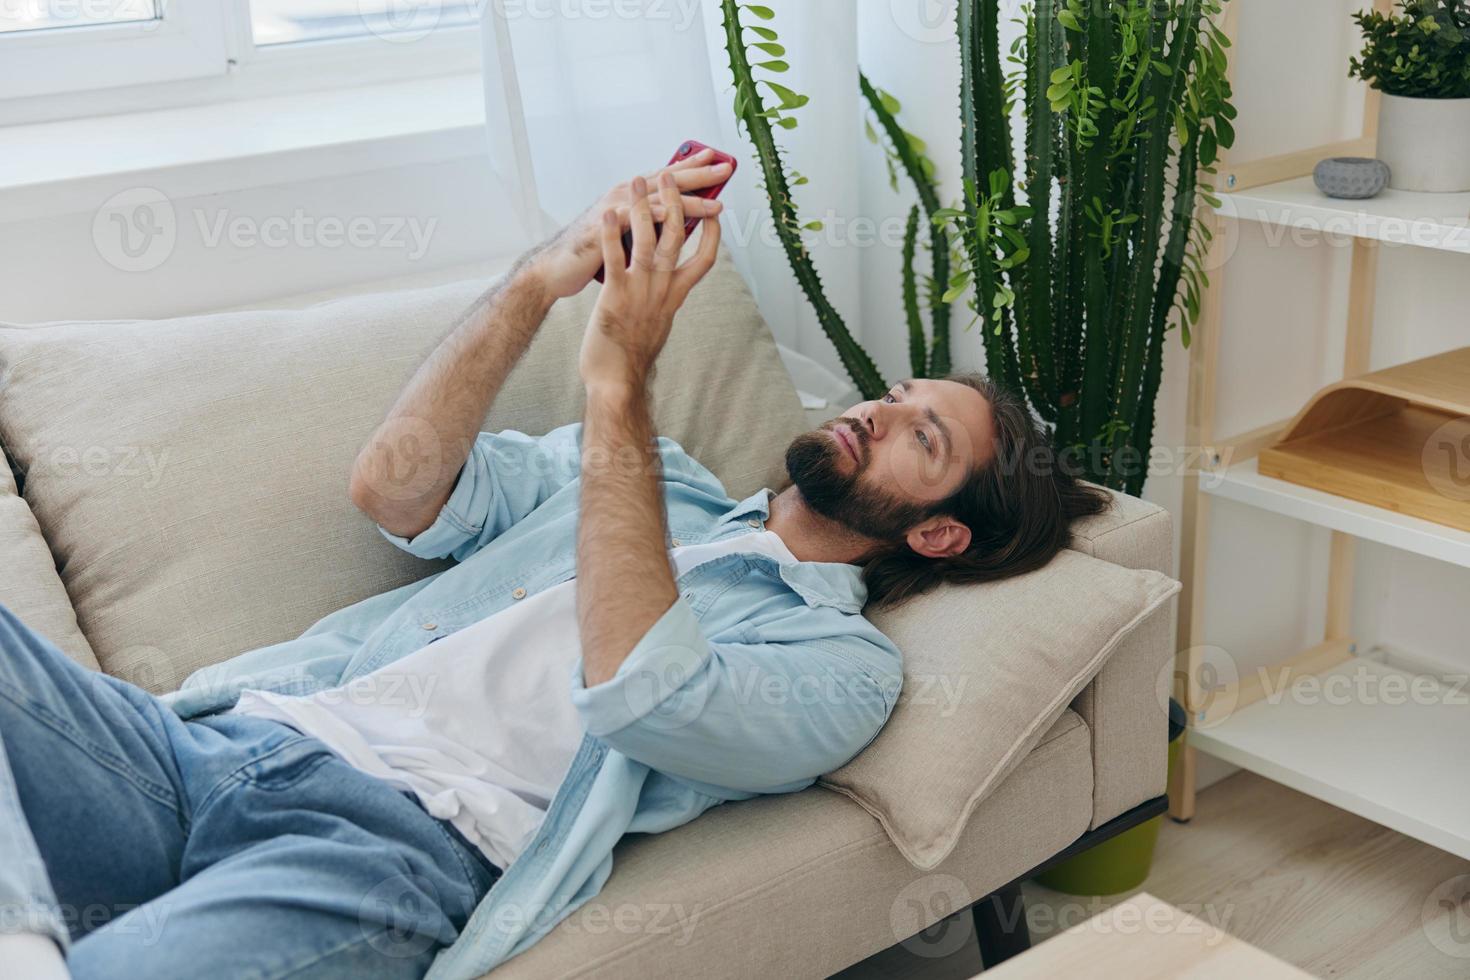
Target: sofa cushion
<point x="806" y="884"/>
<point x="191" y="474"/>
<point x="29" y="585"/>
<point x="983" y="687"/>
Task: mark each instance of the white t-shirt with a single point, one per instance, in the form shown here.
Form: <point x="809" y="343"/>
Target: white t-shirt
<point x="479" y="725"/>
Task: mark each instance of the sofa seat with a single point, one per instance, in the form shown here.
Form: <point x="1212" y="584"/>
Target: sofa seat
<point x="806" y="884"/>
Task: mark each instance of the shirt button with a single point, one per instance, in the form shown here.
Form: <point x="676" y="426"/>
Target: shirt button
<point x="753" y="522"/>
<point x="675" y="542"/>
<point x="431" y="626"/>
<point x="518" y="594"/>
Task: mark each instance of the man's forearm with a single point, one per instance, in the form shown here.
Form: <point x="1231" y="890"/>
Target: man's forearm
<point x="407" y="470"/>
<point x="624" y="582"/>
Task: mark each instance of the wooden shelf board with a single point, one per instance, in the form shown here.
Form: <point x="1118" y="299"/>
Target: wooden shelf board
<point x="1243" y="483"/>
<point x="1384" y="757"/>
<point x="1438" y="221"/>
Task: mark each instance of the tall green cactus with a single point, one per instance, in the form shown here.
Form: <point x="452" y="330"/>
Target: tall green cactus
<point x="1127" y="101"/>
<point x="1079" y="257"/>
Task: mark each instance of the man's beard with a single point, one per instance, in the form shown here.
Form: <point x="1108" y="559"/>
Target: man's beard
<point x="813" y="463"/>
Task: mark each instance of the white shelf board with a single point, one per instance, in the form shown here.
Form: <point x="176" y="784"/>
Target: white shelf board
<point x="1439" y="221"/>
<point x="1396" y="760"/>
<point x="1244" y="483"/>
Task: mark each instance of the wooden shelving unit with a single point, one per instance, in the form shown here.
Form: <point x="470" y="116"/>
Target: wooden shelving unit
<point x="1389" y="760"/>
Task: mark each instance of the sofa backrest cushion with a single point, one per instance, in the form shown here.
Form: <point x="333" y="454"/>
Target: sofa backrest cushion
<point x="29" y="585"/>
<point x="987" y="669"/>
<point x="191" y="474"/>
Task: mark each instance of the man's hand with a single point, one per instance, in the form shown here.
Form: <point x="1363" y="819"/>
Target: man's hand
<point x="566" y="263"/>
<point x="636" y="307"/>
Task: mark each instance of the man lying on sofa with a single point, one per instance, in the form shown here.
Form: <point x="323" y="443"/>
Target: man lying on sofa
<point x="340" y="805"/>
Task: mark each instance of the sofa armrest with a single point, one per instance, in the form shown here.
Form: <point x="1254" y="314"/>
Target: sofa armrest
<point x="1125" y="705"/>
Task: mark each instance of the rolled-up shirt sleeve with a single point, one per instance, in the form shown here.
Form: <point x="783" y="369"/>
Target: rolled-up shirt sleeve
<point x="506" y="476"/>
<point x="755" y="717"/>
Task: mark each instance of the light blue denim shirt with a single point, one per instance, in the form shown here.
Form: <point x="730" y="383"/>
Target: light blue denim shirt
<point x="761" y="676"/>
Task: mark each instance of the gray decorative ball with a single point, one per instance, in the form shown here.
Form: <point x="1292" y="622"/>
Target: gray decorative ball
<point x="1352" y="178"/>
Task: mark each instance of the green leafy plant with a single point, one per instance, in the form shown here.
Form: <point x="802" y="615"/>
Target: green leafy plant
<point x="1422" y="52"/>
<point x="1079" y="255"/>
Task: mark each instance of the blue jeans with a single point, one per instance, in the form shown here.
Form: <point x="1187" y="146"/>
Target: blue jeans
<point x="229" y="846"/>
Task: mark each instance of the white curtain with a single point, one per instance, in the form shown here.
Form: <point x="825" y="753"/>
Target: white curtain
<point x="581" y="94"/>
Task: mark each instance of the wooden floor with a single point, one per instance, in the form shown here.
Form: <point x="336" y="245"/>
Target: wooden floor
<point x="1332" y="893"/>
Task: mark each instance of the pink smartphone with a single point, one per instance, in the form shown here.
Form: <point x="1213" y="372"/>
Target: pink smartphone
<point x="688" y="148"/>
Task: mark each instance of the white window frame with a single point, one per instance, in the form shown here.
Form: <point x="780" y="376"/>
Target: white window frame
<point x="187" y="40"/>
<point x="201" y="51"/>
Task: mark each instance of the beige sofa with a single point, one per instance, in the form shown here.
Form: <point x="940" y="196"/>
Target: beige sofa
<point x="184" y="499"/>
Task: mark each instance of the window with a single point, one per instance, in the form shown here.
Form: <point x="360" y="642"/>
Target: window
<point x="36" y="15"/>
<point x="120" y="55"/>
<point x="284" y="21"/>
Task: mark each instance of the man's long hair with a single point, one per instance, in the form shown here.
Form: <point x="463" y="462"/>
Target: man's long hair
<point x="1018" y="506"/>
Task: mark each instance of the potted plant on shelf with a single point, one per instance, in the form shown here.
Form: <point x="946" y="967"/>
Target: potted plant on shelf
<point x="1419" y="58"/>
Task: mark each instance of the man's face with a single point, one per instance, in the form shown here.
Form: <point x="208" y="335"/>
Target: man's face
<point x="882" y="466"/>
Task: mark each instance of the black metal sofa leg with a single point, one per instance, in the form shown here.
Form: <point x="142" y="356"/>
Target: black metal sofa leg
<point x="1000" y="925"/>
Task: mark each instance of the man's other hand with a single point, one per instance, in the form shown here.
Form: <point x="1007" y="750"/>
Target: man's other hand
<point x="636" y="307"/>
<point x="566" y="263"/>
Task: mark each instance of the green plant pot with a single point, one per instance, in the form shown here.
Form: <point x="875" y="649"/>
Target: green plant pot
<point x="1117" y="865"/>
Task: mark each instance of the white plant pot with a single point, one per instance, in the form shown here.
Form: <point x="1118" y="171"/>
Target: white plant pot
<point x="1426" y="143"/>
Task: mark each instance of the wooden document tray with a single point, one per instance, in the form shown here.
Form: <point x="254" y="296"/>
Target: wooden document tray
<point x="1397" y="438"/>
